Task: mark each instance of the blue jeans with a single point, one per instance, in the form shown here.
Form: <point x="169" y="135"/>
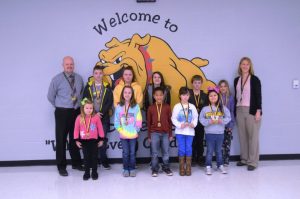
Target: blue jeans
<point x="159" y="140"/>
<point x="214" y="142"/>
<point x="184" y="145"/>
<point x="128" y="146"/>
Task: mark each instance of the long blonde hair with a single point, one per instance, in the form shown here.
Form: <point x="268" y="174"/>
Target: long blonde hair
<point x="228" y="93"/>
<point x="251" y="71"/>
<point x="82" y="113"/>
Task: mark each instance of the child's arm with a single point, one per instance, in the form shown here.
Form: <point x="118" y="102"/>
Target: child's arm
<point x="100" y="130"/>
<point x="117" y="119"/>
<point x="230" y="125"/>
<point x="107" y="104"/>
<point x="149" y="121"/>
<point x="195" y="116"/>
<point x="139" y="96"/>
<point x="170" y="122"/>
<point x="138" y="119"/>
<point x="116" y="95"/>
<point x="77" y="128"/>
<point x="175" y="113"/>
<point x="76" y="131"/>
<point x="202" y="118"/>
<point x="226" y="118"/>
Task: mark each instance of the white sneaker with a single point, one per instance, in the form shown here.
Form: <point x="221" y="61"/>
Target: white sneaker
<point x="222" y="169"/>
<point x="208" y="170"/>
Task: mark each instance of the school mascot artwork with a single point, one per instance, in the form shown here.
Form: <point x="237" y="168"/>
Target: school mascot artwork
<point x="149" y="54"/>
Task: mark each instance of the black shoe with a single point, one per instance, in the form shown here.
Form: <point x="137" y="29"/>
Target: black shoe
<point x="78" y="167"/>
<point x="251" y="168"/>
<point x="106" y="166"/>
<point x="94" y="175"/>
<point x="86" y="175"/>
<point x="239" y="164"/>
<point x="63" y="172"/>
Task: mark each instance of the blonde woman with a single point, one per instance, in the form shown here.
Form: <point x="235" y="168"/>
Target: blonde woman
<point x="248" y="102"/>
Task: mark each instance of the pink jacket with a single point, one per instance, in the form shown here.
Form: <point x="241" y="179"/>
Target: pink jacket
<point x="96" y="129"/>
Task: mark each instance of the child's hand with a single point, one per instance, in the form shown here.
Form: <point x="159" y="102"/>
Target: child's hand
<point x="78" y="144"/>
<point x="183" y="125"/>
<point x="191" y="125"/>
<point x="220" y="121"/>
<point x="100" y="115"/>
<point x="211" y="121"/>
<point x="229" y="130"/>
<point x="100" y="143"/>
<point x="171" y="139"/>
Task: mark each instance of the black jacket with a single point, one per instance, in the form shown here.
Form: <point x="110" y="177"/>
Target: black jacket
<point x="255" y="94"/>
<point x="203" y="99"/>
<point x="107" y="98"/>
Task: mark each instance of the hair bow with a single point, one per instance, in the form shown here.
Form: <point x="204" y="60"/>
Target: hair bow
<point x="83" y="102"/>
<point x="216" y="89"/>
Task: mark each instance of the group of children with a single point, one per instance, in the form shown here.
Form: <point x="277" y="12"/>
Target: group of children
<point x="196" y="114"/>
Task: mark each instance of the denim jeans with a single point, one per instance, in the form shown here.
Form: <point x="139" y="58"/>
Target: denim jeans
<point x="214" y="142"/>
<point x="159" y="141"/>
<point x="128" y="146"/>
<point x="184" y="145"/>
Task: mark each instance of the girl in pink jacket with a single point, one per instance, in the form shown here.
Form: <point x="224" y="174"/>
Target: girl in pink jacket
<point x="89" y="134"/>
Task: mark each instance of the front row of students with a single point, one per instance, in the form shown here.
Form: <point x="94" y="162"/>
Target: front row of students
<point x="128" y="121"/>
<point x="189" y="117"/>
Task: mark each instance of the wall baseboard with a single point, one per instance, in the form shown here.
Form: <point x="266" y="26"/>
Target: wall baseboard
<point x="139" y="160"/>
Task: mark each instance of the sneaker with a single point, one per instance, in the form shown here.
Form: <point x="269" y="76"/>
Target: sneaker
<point x="106" y="166"/>
<point x="222" y="169"/>
<point x="168" y="171"/>
<point x="94" y="175"/>
<point x="154" y="173"/>
<point x="132" y="173"/>
<point x="226" y="164"/>
<point x="126" y="173"/>
<point x="208" y="170"/>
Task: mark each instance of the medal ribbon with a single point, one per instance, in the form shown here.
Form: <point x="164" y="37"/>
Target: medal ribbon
<point x="98" y="93"/>
<point x="187" y="113"/>
<point x="214" y="113"/>
<point x="197" y="100"/>
<point x="158" y="111"/>
<point x="87" y="127"/>
<point x="126" y="111"/>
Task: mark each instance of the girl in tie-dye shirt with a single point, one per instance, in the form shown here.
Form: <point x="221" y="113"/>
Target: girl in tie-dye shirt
<point x="128" y="121"/>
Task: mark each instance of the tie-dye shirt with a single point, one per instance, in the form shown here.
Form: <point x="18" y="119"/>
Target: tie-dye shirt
<point x="178" y="118"/>
<point x="134" y="121"/>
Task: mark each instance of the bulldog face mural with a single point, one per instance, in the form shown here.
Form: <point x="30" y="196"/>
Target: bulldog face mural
<point x="149" y="54"/>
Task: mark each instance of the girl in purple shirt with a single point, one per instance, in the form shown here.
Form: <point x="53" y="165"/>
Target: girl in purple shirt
<point x="227" y="100"/>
